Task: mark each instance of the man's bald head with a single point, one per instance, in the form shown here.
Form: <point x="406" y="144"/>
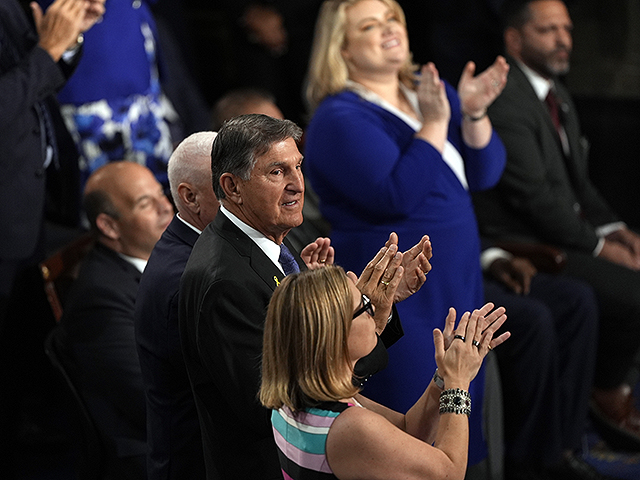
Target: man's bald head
<point x="126" y="208"/>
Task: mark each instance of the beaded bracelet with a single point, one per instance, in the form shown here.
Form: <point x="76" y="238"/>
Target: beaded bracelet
<point x="455" y="400"/>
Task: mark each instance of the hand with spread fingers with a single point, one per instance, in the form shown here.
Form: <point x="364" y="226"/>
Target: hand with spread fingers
<point x="460" y="352"/>
<point x="416" y="266"/>
<point x="318" y="253"/>
<point x="380" y="280"/>
<point x="477" y="93"/>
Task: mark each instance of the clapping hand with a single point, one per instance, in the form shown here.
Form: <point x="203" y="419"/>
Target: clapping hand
<point x="416" y="266"/>
<point x="460" y="351"/>
<point x="379" y="281"/>
<point x="318" y="253"/>
<point x="477" y="93"/>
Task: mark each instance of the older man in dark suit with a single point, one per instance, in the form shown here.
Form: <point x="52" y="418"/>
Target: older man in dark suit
<point x="235" y="265"/>
<point x="128" y="212"/>
<point x="545" y="195"/>
<point x="173" y="431"/>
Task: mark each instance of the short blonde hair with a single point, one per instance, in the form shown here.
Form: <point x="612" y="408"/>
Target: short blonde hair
<point x="328" y="72"/>
<point x="305" y="356"/>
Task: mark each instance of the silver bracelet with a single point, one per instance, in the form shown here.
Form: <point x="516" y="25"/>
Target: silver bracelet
<point x="455" y="400"/>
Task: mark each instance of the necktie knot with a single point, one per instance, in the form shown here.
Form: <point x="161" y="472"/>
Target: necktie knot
<point x="288" y="262"/>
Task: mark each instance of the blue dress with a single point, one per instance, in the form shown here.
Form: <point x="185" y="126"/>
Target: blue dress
<point x="374" y="177"/>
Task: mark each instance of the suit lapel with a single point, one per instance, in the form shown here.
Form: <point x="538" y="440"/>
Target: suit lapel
<point x="521" y="78"/>
<point x="258" y="260"/>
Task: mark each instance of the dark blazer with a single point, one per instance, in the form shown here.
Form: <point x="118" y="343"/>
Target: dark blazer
<point x="99" y="350"/>
<point x="173" y="431"/>
<point x="542" y="196"/>
<point x="28" y="78"/>
<point x="224" y="293"/>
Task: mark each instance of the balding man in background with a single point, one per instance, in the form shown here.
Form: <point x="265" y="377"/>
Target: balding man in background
<point x="128" y="212"/>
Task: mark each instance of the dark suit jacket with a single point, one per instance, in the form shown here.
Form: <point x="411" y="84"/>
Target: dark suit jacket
<point x="224" y="293"/>
<point x="28" y="75"/>
<point x="540" y="196"/>
<point x="173" y="431"/>
<point x="99" y="350"/>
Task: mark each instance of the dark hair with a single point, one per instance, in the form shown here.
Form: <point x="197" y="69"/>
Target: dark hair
<point x="515" y="13"/>
<point x="95" y="203"/>
<point x="241" y="140"/>
<point x="234" y="102"/>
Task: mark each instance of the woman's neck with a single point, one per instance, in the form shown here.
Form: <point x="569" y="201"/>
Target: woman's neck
<point x="387" y="88"/>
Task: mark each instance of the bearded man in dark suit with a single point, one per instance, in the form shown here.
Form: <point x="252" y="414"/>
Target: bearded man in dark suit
<point x="545" y="195"/>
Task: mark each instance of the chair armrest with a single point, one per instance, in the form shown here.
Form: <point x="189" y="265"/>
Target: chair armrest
<point x="546" y="258"/>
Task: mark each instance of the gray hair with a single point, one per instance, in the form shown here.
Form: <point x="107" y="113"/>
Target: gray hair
<point x="190" y="162"/>
<point x="241" y="140"/>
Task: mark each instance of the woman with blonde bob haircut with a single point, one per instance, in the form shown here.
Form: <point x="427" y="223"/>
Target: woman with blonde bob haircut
<point x="392" y="147"/>
<point x="318" y="326"/>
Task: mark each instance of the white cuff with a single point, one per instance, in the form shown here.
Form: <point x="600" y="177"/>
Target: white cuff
<point x="492" y="254"/>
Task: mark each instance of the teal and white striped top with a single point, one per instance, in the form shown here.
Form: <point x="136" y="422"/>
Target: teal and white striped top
<point x="301" y="439"/>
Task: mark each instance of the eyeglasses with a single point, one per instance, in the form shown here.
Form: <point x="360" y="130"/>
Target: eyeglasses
<point x="366" y="307"/>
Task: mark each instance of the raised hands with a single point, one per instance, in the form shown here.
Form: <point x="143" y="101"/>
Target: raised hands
<point x="318" y="253"/>
<point x="460" y="351"/>
<point x="59" y="27"/>
<point x="477" y="93"/>
<point x="416" y="266"/>
<point x="379" y="281"/>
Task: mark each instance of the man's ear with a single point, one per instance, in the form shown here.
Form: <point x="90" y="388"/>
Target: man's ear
<point x="513" y="42"/>
<point x="188" y="196"/>
<point x="108" y="226"/>
<point x="232" y="187"/>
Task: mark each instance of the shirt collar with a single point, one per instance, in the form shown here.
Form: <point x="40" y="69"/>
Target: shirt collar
<point x="198" y="231"/>
<point x="269" y="247"/>
<point x="139" y="263"/>
<point x="540" y="84"/>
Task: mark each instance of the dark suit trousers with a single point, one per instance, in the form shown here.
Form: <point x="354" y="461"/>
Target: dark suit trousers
<point x="618" y="292"/>
<point x="546" y="366"/>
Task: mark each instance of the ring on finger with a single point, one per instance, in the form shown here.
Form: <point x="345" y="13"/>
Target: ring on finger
<point x="384" y="282"/>
<point x="459" y="336"/>
<point x="322" y="260"/>
<point x="476" y="344"/>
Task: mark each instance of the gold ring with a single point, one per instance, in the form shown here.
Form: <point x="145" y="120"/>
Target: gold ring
<point x="385" y="283"/>
<point x="322" y="261"/>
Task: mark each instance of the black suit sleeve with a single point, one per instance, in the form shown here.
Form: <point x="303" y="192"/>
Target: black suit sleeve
<point x="229" y="343"/>
<point x="393" y="331"/>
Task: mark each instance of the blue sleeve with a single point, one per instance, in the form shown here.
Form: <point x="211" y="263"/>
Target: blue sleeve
<point x="350" y="154"/>
<point x="483" y="166"/>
